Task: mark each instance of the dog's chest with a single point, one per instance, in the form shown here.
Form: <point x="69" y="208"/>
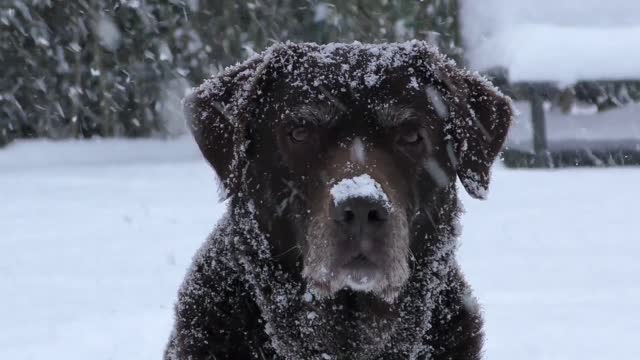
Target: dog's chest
<point x="340" y="330"/>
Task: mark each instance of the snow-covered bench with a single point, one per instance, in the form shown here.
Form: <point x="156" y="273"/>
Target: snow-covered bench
<point x="540" y="48"/>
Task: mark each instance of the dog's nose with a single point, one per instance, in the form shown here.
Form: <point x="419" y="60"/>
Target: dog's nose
<point x="358" y="214"/>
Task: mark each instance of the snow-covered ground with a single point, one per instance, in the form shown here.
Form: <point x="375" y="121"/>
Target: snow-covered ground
<point x="96" y="238"/>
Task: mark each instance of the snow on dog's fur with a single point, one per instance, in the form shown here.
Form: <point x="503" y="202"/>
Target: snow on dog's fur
<point x="340" y="238"/>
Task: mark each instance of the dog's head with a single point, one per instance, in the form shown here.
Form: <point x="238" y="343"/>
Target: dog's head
<point x="346" y="150"/>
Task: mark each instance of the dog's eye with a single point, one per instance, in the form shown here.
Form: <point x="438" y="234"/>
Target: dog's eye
<point x="410" y="137"/>
<point x="299" y="135"/>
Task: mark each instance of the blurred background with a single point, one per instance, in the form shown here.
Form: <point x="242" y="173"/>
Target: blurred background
<point x="120" y="67"/>
<point x="104" y="198"/>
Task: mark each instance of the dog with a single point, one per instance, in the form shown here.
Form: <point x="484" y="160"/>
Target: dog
<point x="340" y="164"/>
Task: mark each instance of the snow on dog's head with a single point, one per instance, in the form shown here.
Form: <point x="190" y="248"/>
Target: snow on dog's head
<point x="349" y="152"/>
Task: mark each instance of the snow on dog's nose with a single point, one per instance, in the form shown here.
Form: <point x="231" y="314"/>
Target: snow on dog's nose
<point x="361" y="209"/>
<point x="363" y="186"/>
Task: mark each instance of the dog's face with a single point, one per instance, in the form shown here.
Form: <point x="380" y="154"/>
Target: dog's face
<point x="352" y="161"/>
<point x="363" y="161"/>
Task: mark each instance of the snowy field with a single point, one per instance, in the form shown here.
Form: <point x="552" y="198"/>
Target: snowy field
<point x="96" y="238"/>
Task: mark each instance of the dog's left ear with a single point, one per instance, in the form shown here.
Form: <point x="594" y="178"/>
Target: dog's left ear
<point x="479" y="124"/>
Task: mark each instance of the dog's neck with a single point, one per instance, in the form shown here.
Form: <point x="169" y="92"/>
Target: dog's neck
<point x="324" y="325"/>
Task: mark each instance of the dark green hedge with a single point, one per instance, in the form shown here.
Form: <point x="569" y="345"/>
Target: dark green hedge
<point x="88" y="68"/>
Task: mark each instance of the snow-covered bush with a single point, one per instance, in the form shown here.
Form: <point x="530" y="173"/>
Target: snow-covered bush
<point x="103" y="67"/>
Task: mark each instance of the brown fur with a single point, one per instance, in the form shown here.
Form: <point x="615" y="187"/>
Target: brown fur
<point x="267" y="284"/>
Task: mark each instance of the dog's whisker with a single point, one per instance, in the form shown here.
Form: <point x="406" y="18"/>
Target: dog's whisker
<point x="288" y="251"/>
<point x="412" y="262"/>
<point x="429" y="216"/>
<point x="294" y="190"/>
<point x="283" y="205"/>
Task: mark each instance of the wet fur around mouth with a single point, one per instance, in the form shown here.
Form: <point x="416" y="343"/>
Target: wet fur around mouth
<point x="256" y="289"/>
<point x="392" y="270"/>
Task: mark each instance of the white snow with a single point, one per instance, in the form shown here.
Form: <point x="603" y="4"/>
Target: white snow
<point x="358" y="151"/>
<point x="165" y="52"/>
<point x="360" y="186"/>
<point x="360" y="283"/>
<point x="108" y="31"/>
<point x="312" y="315"/>
<point x="552" y="256"/>
<point x="308" y="297"/>
<point x="371" y="79"/>
<point x="436" y="171"/>
<point x="554" y="40"/>
<point x="97" y="236"/>
<point x="170" y="106"/>
<point x="400" y="30"/>
<point x="320" y="12"/>
<point x="413" y="83"/>
<point x="438" y="103"/>
<point x="134" y="4"/>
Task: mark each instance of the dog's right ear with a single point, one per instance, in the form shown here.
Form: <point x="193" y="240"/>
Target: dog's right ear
<point x="217" y="114"/>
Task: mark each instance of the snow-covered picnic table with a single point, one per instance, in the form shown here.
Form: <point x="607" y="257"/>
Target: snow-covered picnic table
<point x="545" y="46"/>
